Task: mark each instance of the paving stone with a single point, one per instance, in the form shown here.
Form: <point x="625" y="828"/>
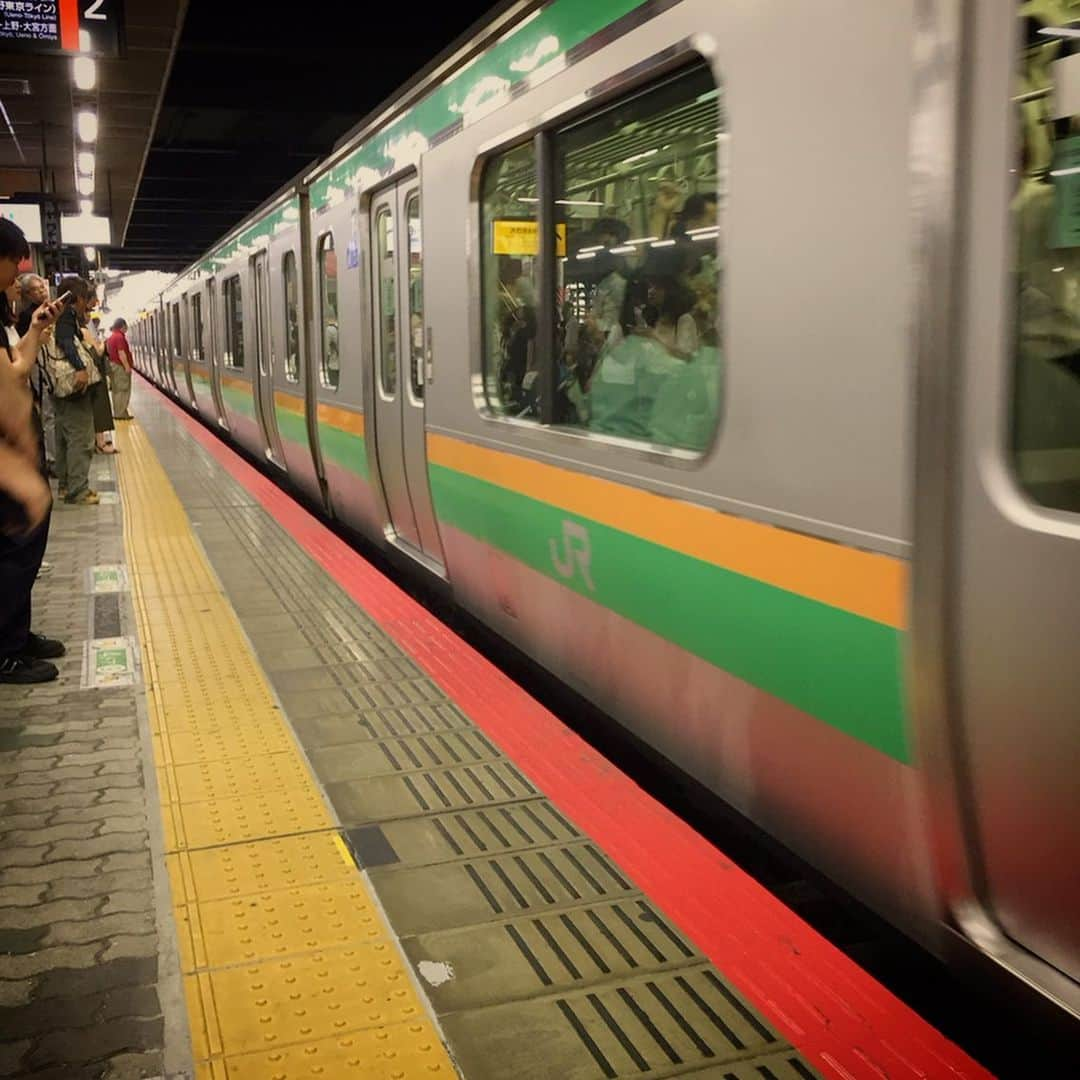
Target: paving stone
<point x="22" y="857"/>
<point x="37" y="789"/>
<point x="131" y="781"/>
<point x="36" y="872"/>
<point x="14" y="992"/>
<point x="105" y="976"/>
<point x="137" y="883"/>
<point x="98" y="811"/>
<point x="131" y="946"/>
<point x="11" y="1056"/>
<point x="97" y="1042"/>
<point x="49" y="835"/>
<point x="46" y="914"/>
<point x="54" y="805"/>
<point x="26" y="765"/>
<point x="135" y="1066"/>
<point x="115" y="824"/>
<point x="134" y="900"/>
<point x="129" y="860"/>
<point x="102" y="845"/>
<point x="22" y="967"/>
<point x="21" y="895"/>
<point x="64" y="776"/>
<point x="45" y="1015"/>
<point x="100" y="927"/>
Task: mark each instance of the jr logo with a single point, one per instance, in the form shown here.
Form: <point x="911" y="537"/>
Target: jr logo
<point x="576" y="553"/>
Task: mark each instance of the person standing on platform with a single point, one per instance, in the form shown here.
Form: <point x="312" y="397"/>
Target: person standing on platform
<point x="99" y="390"/>
<point x="25" y="499"/>
<point x="120" y="369"/>
<point x="74" y="413"/>
<point x="34" y="292"/>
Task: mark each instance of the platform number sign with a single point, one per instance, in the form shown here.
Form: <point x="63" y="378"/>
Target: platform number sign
<point x="56" y="26"/>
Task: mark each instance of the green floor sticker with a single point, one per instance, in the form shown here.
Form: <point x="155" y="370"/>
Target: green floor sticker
<point x="110" y="578"/>
<point x="109" y="662"/>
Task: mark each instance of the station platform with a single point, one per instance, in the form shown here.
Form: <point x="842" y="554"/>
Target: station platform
<point x="275" y="820"/>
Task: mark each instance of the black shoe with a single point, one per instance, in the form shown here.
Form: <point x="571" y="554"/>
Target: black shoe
<point x="39" y="647"/>
<point x="19" y="669"/>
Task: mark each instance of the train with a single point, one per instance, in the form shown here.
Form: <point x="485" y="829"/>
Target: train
<point x="723" y="359"/>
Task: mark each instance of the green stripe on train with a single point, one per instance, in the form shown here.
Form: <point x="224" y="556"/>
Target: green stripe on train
<point x="341" y="447"/>
<point x="841" y="668"/>
<point x="344" y="448"/>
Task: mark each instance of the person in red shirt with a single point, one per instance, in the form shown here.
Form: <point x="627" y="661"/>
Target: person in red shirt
<point x="120" y="370"/>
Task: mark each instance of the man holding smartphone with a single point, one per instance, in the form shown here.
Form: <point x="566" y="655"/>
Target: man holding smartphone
<point x="74" y="414"/>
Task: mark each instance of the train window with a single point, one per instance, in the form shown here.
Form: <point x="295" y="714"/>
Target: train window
<point x="292" y="318"/>
<point x="185" y="302"/>
<point x="509" y="265"/>
<point x="637" y="198"/>
<point x="1046" y="230"/>
<point x="330" y="371"/>
<point x="416" y="296"/>
<point x="638" y="204"/>
<point x="197" y="328"/>
<point x="387" y="297"/>
<point x="177" y="341"/>
<point x="234" y="323"/>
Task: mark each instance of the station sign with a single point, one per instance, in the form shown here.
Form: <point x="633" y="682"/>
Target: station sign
<point x="56" y="26"/>
<point x="522" y="238"/>
<point x="26" y="215"/>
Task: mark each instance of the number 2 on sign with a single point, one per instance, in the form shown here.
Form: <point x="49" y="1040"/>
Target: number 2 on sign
<point x="94" y="11"/>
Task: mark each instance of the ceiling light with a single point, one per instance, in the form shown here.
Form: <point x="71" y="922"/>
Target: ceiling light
<point x="85" y="160"/>
<point x="87" y="126"/>
<point x="86" y="206"/>
<point x="84" y="72"/>
<point x="85" y="184"/>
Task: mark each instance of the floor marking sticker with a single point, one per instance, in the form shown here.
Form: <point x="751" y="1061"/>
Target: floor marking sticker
<point x="108" y="578"/>
<point x="108" y="498"/>
<point x="108" y="663"/>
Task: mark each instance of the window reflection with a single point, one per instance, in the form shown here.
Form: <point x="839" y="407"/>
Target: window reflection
<point x="292" y="318"/>
<point x="1046" y="222"/>
<point x="637" y="205"/>
<point x="328" y="304"/>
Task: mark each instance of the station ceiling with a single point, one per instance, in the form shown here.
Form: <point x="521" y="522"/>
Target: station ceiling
<point x="255" y="94"/>
<point x="37" y="109"/>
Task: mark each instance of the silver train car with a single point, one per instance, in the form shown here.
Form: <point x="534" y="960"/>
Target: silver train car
<point x="724" y="359"/>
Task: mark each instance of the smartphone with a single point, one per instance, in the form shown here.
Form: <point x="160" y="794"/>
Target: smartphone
<point x="63" y="299"/>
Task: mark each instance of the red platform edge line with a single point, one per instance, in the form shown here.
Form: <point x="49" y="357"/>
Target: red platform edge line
<point x="845" y="1023"/>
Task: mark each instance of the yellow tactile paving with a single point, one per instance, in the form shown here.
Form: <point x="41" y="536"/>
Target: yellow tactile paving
<point x="232" y="821"/>
<point x="242" y="869"/>
<point x="202" y="779"/>
<point x="305" y="998"/>
<point x="398" y="1052"/>
<point x="242" y="929"/>
<point x="290" y="970"/>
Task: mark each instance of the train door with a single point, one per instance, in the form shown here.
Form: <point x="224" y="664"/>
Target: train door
<point x="264" y="367"/>
<point x="398" y="377"/>
<point x="1015" y="588"/>
<point x="187" y="349"/>
<point x="214" y="328"/>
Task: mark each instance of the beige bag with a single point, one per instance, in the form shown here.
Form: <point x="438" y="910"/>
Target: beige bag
<point x="60" y="372"/>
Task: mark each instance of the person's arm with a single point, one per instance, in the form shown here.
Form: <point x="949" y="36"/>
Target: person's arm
<point x="125" y="355"/>
<point x="19" y="475"/>
<point x="25" y="353"/>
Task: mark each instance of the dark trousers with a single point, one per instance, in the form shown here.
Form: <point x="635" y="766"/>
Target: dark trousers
<point x="20" y="560"/>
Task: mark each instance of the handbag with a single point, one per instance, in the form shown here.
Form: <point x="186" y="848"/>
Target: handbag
<point x="61" y="373"/>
